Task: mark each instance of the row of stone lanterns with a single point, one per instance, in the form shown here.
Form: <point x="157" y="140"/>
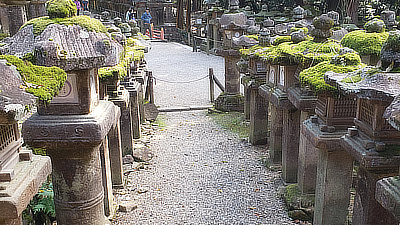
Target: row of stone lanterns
<point x="319" y="153"/>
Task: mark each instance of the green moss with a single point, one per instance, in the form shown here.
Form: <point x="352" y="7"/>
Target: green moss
<point x="281" y="39"/>
<point x="43" y="82"/>
<point x="306" y="53"/>
<point x="3" y="35"/>
<point x="295" y="29"/>
<point x="90" y="24"/>
<point x="314" y="76"/>
<point x="246" y="52"/>
<point x="30" y="57"/>
<point x="390" y="151"/>
<point x="348" y="59"/>
<point x="365" y="43"/>
<point x="255" y="37"/>
<point x="353" y="79"/>
<point x="61" y="8"/>
<point x="292" y="192"/>
<point x="232" y="121"/>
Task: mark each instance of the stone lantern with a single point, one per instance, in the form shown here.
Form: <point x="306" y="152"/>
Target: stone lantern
<point x="389" y="17"/>
<point x="21" y="172"/>
<point x="298" y="13"/>
<point x="233" y="26"/>
<point x="371" y="142"/>
<point x="74" y="127"/>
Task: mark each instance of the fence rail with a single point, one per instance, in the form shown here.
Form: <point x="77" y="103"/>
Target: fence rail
<point x="214" y="80"/>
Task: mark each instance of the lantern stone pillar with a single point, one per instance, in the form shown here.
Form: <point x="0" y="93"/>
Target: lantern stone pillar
<point x="258" y="118"/>
<point x="12" y="18"/>
<point x="73" y="126"/>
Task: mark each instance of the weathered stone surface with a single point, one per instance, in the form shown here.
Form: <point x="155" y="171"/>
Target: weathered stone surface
<point x="150" y="111"/>
<point x="298" y="36"/>
<point x="127" y="206"/>
<point x="63" y="130"/>
<point x="16" y="195"/>
<point x="375" y="26"/>
<point x="233" y="20"/>
<point x="128" y="159"/>
<point x="387" y="193"/>
<point x="13" y="97"/>
<point x="65" y="51"/>
<point x="244" y="41"/>
<point x="258" y="118"/>
<point x="142" y="153"/>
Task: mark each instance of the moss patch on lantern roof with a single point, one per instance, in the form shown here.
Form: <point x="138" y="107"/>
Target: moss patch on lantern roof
<point x="253" y="36"/>
<point x="365" y="43"/>
<point x="90" y="24"/>
<point x="43" y="82"/>
<point x="314" y="76"/>
<point x="133" y="52"/>
<point x="246" y="52"/>
<point x="61" y="8"/>
<point x="305" y="53"/>
<point x="281" y="39"/>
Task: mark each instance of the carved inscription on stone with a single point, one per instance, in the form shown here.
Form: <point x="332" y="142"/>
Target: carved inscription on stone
<point x="271" y="74"/>
<point x="69" y="93"/>
<point x="282" y="75"/>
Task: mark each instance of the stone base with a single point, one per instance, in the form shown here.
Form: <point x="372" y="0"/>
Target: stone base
<point x="16" y="195"/>
<point x="387" y="193"/>
<point x="226" y="102"/>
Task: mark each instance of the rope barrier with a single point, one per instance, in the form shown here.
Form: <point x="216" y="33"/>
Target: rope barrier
<point x="180" y="82"/>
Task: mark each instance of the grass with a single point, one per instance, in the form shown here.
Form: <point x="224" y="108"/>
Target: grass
<point x="232" y="121"/>
<point x="160" y="121"/>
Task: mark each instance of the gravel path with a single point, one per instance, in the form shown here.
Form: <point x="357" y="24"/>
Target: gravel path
<point x="200" y="174"/>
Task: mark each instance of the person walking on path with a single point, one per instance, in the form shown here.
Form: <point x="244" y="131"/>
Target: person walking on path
<point x="146" y="17"/>
<point x="78" y="6"/>
<point x="130" y="16"/>
<point x="85" y="4"/>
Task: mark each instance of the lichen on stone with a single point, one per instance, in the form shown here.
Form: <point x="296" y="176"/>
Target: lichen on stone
<point x="365" y="43"/>
<point x="43" y="82"/>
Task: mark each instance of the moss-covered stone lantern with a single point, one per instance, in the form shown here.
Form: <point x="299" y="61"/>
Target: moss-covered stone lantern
<point x="74" y="126"/>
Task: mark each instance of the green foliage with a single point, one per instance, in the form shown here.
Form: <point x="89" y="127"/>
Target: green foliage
<point x="281" y="39"/>
<point x="41" y="208"/>
<point x="365" y="43"/>
<point x="61" y="8"/>
<point x="90" y="24"/>
<point x="43" y="82"/>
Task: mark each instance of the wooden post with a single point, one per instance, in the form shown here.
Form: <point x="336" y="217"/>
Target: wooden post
<point x="151" y="93"/>
<point x="211" y="76"/>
